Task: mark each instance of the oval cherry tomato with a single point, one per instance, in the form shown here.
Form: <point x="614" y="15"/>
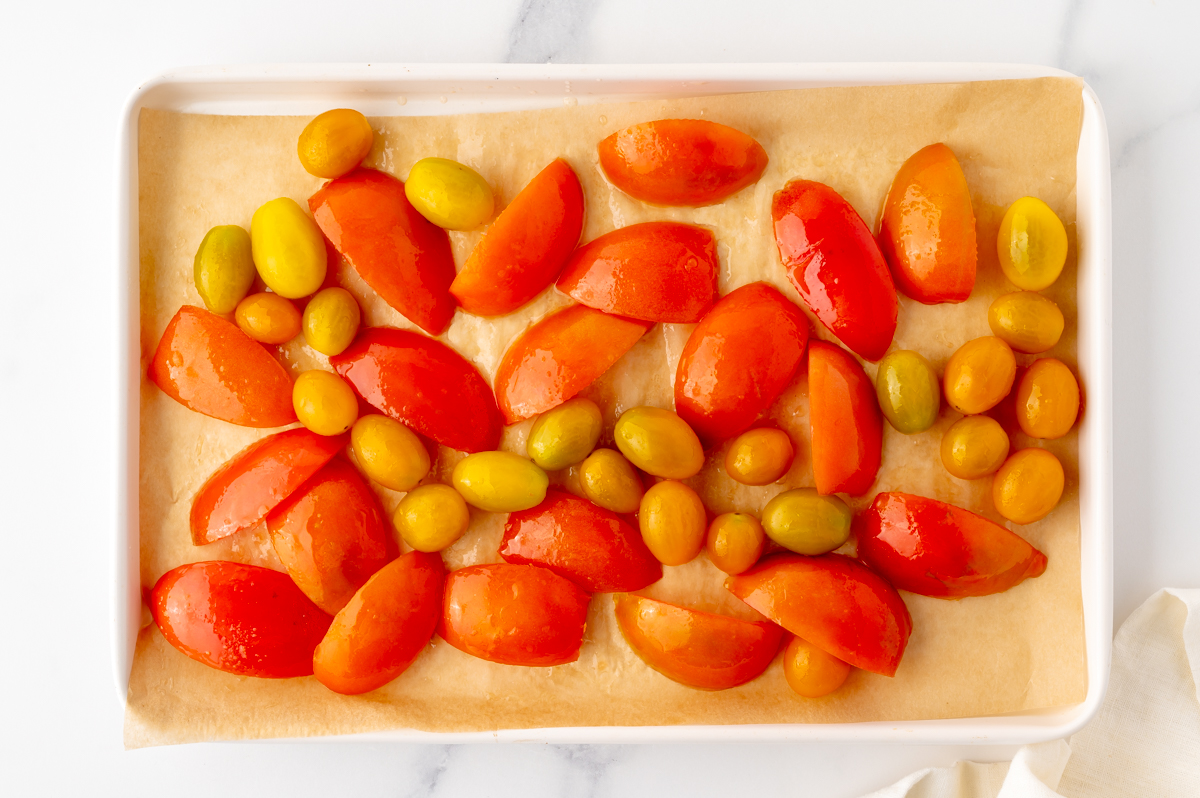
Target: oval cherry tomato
<point x="241" y="619"/>
<point x="514" y="614"/>
<point x="837" y="267"/>
<point x="847" y="427"/>
<point x="737" y="361"/>
<point x="403" y="256"/>
<point x="208" y="365"/>
<point x="526" y="247"/>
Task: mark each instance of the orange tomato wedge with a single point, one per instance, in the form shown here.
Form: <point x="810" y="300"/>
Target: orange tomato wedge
<point x="847" y="426"/>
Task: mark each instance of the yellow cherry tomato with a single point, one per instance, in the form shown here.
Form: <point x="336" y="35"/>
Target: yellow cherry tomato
<point x="331" y="321"/>
<point x="389" y="452"/>
<point x="565" y="435"/>
<point x="268" y="318"/>
<point x="810" y="671"/>
<point x="735" y="542"/>
<point x="659" y="442"/>
<point x="1026" y="321"/>
<point x="1032" y="244"/>
<point x="979" y="375"/>
<point x="1047" y="399"/>
<point x="288" y="249"/>
<point x="759" y="456"/>
<point x="449" y="194"/>
<point x="974" y="447"/>
<point x="1028" y="486"/>
<point x="431" y="517"/>
<point x="324" y="402"/>
<point x="500" y="482"/>
<point x="807" y="522"/>
<point x="223" y="268"/>
<point x="608" y="480"/>
<point x="673" y="522"/>
<point x="908" y="391"/>
<point x="335" y="142"/>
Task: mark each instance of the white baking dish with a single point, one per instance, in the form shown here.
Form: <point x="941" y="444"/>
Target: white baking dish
<point x="394" y="90"/>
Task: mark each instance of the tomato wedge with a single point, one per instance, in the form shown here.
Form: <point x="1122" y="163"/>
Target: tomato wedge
<point x="836" y="603"/>
<point x="241" y="619"/>
<point x="208" y="365"/>
<point x="699" y="649"/>
<point x="738" y="360"/>
<point x="403" y="256"/>
<point x="240" y="493"/>
<point x="847" y="427"/>
<point x="654" y="271"/>
<point x="425" y="384"/>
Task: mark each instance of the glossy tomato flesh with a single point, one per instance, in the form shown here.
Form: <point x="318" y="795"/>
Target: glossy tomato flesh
<point x="847" y="425"/>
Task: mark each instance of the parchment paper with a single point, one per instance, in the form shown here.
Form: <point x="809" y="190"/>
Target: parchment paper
<point x="1020" y="650"/>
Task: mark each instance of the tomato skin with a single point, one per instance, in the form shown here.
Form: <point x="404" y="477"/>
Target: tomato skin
<point x="738" y="360"/>
<point x="208" y="365"/>
<point x="514" y="614"/>
<point x="833" y="261"/>
<point x="698" y="649"/>
<point x="240" y="493"/>
<point x="690" y="162"/>
<point x="847" y="425"/>
<point x="593" y="547"/>
<point x="560" y="356"/>
<point x="423" y="384"/>
<point x="403" y="256"/>
<point x="384" y="627"/>
<point x="834" y="602"/>
<point x="936" y="549"/>
<point x="654" y="271"/>
<point x="241" y="619"/>
<point x="527" y="245"/>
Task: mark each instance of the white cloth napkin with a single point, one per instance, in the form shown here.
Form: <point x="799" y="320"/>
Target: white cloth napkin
<point x="1144" y="741"/>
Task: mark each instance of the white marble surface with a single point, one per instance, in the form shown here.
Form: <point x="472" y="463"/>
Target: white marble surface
<point x="68" y="68"/>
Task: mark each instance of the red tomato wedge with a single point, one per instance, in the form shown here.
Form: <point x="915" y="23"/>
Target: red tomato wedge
<point x="208" y="365"/>
<point x="330" y="535"/>
<point x="699" y="649"/>
<point x="241" y="619"/>
<point x="560" y="356"/>
<point x="403" y="256"/>
<point x="927" y="229"/>
<point x="514" y="614"/>
<point x="836" y="603"/>
<point x="835" y="264"/>
<point x="689" y="162"/>
<point x="654" y="271"/>
<point x="240" y="493"/>
<point x="847" y="427"/>
<point x="526" y="247"/>
<point x="738" y="360"/>
<point x="936" y="549"/>
<point x="425" y="384"/>
<point x="593" y="547"/>
<point x="383" y="629"/>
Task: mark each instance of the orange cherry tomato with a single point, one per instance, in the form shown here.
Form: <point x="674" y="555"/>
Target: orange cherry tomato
<point x="514" y="614"/>
<point x="847" y="427"/>
<point x="560" y="356"/>
<point x="241" y="619"/>
<point x="655" y="271"/>
<point x="593" y="547"/>
<point x="927" y="229"/>
<point x="1047" y="401"/>
<point x="833" y="261"/>
<point x="208" y="365"/>
<point x="690" y="162"/>
<point x="523" y="251"/>
<point x="811" y="672"/>
<point x="240" y="493"/>
<point x="384" y="627"/>
<point x="936" y="549"/>
<point x="423" y="384"/>
<point x="403" y="256"/>
<point x="699" y="649"/>
<point x="737" y="361"/>
<point x="835" y="603"/>
<point x="735" y="542"/>
<point x="267" y="318"/>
